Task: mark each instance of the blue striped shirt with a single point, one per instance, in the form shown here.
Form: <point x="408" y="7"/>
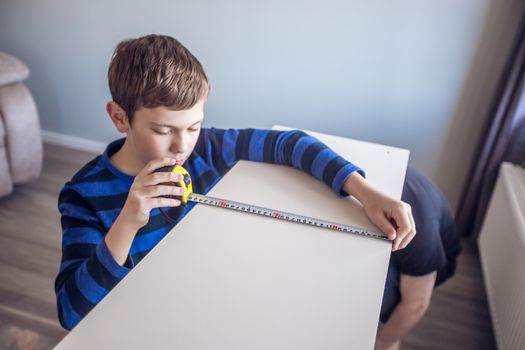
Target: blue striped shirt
<point x="91" y="201"/>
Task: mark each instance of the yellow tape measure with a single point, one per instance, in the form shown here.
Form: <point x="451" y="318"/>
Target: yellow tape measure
<point x="248" y="208"/>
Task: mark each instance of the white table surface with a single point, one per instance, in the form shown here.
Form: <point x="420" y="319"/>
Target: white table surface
<point x="227" y="280"/>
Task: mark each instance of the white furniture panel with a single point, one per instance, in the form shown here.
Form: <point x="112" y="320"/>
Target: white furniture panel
<point x="227" y="280"/>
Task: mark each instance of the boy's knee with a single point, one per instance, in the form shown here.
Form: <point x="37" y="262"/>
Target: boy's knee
<point x="416" y="292"/>
<point x="417" y="308"/>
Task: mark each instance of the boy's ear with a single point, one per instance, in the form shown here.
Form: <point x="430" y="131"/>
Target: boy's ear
<point x="118" y="116"/>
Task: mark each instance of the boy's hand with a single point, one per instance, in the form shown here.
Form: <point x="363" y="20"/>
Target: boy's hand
<point x="146" y="191"/>
<point x="393" y="217"/>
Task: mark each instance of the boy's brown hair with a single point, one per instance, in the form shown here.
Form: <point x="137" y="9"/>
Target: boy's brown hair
<point x="153" y="71"/>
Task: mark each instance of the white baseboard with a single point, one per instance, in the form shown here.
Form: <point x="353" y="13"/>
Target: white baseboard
<point x="73" y="142"/>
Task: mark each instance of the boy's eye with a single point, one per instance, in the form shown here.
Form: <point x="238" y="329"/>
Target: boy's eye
<point x="167" y="132"/>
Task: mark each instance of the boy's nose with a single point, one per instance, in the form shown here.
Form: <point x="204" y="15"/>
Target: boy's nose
<point x="178" y="145"/>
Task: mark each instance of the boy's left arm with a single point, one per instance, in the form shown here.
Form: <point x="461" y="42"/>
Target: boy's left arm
<point x="223" y="148"/>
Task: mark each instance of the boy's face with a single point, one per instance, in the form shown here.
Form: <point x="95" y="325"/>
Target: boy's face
<point x="160" y="132"/>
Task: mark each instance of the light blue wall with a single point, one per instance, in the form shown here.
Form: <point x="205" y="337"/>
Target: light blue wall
<point x="392" y="72"/>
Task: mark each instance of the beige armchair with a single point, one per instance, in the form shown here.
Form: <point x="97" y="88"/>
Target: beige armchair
<point x="20" y="137"/>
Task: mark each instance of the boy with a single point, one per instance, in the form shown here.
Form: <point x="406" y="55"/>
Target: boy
<point x="110" y="216"/>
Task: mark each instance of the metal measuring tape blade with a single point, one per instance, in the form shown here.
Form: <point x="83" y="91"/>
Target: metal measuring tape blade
<point x="248" y="208"/>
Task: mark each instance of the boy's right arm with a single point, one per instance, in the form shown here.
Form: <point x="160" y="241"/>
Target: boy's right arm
<point x="93" y="261"/>
<point x="143" y="196"/>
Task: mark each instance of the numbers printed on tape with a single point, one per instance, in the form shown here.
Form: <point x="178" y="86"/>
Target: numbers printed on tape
<point x="275" y="214"/>
<point x="281" y="215"/>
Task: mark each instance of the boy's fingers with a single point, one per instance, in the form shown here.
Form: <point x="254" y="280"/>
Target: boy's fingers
<point x="412" y="232"/>
<point x="164" y="202"/>
<point x="384" y="225"/>
<point x="155" y="164"/>
<point x="161" y="177"/>
<point x="404" y="226"/>
<point x="407" y="240"/>
<point x="162" y="190"/>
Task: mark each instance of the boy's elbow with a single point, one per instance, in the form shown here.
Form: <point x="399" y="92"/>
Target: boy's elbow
<point x="67" y="317"/>
<point x="62" y="320"/>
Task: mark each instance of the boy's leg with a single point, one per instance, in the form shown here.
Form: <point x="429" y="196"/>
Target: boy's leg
<point x="395" y="346"/>
<point x="416" y="292"/>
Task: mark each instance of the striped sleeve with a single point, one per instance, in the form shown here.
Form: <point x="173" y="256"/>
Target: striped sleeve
<point x="223" y="148"/>
<point x="88" y="271"/>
